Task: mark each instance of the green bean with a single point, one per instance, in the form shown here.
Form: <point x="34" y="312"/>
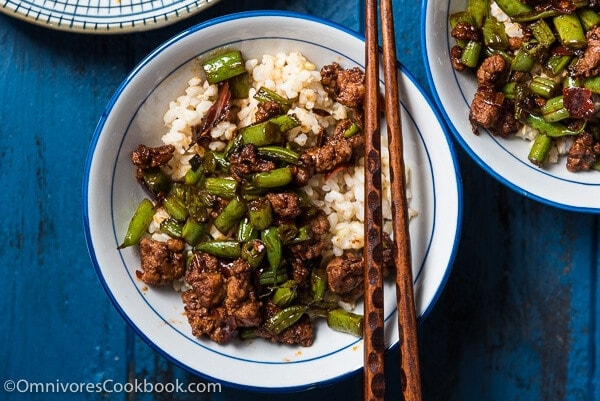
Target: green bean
<point x="552" y="129"/>
<point x="544" y="87"/>
<point x="538" y="154"/>
<point x="525" y="58"/>
<point x="231" y="215"/>
<point x="270" y="237"/>
<point x="193" y="177"/>
<point x="171" y="227"/>
<point x="264" y="94"/>
<point x="239" y="86"/>
<point x="470" y="54"/>
<point x="571" y="82"/>
<point x="250" y="191"/>
<point x="139" y="223"/>
<point x="596" y="164"/>
<point x="287" y="232"/>
<point x="279" y="153"/>
<point x="542" y="32"/>
<point x="273" y="277"/>
<point x="554" y="109"/>
<point x="509" y="90"/>
<point x="193" y="231"/>
<point x="569" y="31"/>
<point x="209" y="162"/>
<point x="261" y="134"/>
<point x="224" y="66"/>
<point x="221" y="248"/>
<point x="304" y="233"/>
<point x="588" y="17"/>
<point x="260" y="213"/>
<point x="157" y="180"/>
<point x="558" y="62"/>
<point x="593" y="84"/>
<point x="318" y="284"/>
<point x="478" y="10"/>
<point x="352" y="130"/>
<point x="253" y="252"/>
<point x="345" y="322"/>
<point x="275" y="178"/>
<point x="535" y="15"/>
<point x="175" y="207"/>
<point x="494" y="34"/>
<point x="234" y="146"/>
<point x="223" y="187"/>
<point x="285" y="294"/>
<point x="286" y="122"/>
<point x="197" y="201"/>
<point x="221" y="162"/>
<point x="513" y="8"/>
<point x="284" y="318"/>
<point x="246" y="231"/>
<point x="247" y="333"/>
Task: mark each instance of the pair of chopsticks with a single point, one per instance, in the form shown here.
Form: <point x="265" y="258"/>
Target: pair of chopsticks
<point x="374" y="338"/>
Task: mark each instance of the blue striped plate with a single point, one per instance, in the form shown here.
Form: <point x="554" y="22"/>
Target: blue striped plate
<point x="103" y="16"/>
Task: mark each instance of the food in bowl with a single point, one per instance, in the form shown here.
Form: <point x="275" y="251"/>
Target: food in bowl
<point x="256" y="199"/>
<point x="537" y="69"/>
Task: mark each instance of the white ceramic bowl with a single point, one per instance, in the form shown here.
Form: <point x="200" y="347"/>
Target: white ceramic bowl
<point x="134" y="116"/>
<point x="506" y="160"/>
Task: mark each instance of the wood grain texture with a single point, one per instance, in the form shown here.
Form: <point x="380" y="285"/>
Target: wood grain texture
<point x="517" y="319"/>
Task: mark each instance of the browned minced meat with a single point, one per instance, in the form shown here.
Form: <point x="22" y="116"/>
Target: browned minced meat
<point x="492" y="111"/>
<point x="212" y="322"/>
<point x="266" y="110"/>
<point x="285" y="204"/>
<point x="145" y="157"/>
<point x="204" y="276"/>
<point x="347" y="86"/>
<point x="241" y="300"/>
<point x="301" y="332"/>
<point x="493" y="72"/>
<point x="589" y="64"/>
<point x="247" y="161"/>
<point x="583" y="153"/>
<point x="223" y="297"/>
<point x="161" y="262"/>
<point x="465" y="31"/>
<point x="456" y="58"/>
<point x="312" y="248"/>
<point x="345" y="274"/>
<point x="336" y="151"/>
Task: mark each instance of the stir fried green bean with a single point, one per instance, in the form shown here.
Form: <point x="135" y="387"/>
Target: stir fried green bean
<point x="139" y="223"/>
<point x="224" y="66"/>
<point x="285" y="318"/>
<point x="346" y="322"/>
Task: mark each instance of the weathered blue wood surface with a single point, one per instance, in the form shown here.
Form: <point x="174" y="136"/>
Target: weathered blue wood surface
<point x="517" y="320"/>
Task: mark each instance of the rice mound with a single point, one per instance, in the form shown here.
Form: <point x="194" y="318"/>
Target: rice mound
<point x="340" y="195"/>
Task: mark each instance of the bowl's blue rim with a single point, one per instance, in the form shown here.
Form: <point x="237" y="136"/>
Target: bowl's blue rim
<point x="112" y="101"/>
<point x="458" y="137"/>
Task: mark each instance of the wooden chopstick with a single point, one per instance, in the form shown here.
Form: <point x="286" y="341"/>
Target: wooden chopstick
<point x="374" y="338"/>
<point x="407" y="320"/>
<point x="374" y="377"/>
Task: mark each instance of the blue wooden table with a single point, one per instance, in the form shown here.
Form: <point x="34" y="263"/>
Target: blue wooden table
<point x="517" y="320"/>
